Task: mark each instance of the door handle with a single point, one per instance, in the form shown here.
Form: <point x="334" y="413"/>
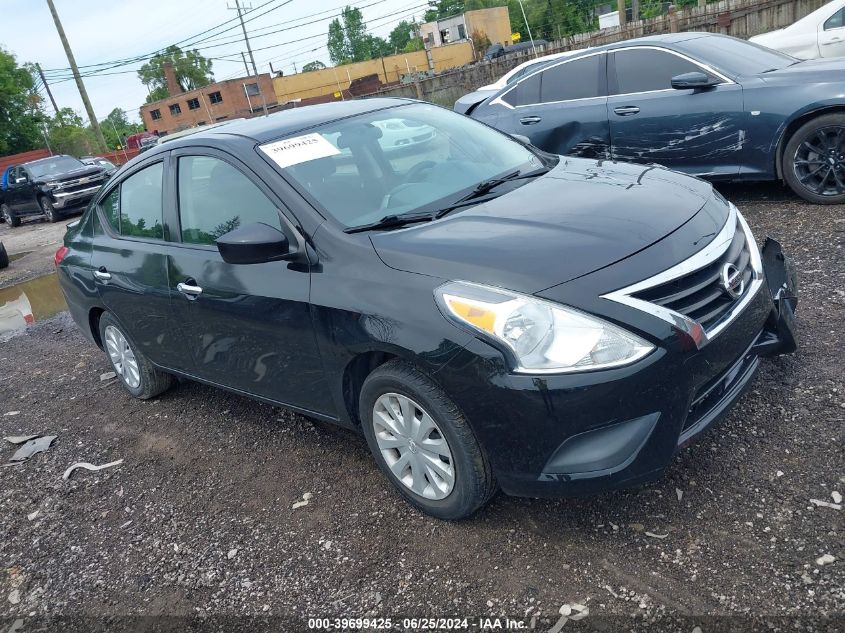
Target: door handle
<point x="832" y="40"/>
<point x="530" y="120"/>
<point x="189" y="289"/>
<point x="102" y="274"/>
<point x="626" y="110"/>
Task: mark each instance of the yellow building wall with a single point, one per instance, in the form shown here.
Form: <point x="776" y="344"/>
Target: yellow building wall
<point x="494" y="22"/>
<point x="329" y="80"/>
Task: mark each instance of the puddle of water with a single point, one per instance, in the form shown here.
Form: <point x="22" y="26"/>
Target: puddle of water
<point x="23" y="304"/>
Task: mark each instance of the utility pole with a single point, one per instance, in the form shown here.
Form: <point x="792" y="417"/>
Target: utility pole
<point x="47" y="87"/>
<point x="237" y="7"/>
<point x="243" y="57"/>
<point x="525" y="19"/>
<point x="98" y="133"/>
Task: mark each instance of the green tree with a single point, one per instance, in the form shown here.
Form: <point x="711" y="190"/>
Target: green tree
<point x="439" y="9"/>
<point x="401" y="35"/>
<point x="379" y="47"/>
<point x="116" y="127"/>
<point x="416" y="44"/>
<point x="192" y="71"/>
<point x="315" y="65"/>
<point x="20" y="114"/>
<point x="68" y="134"/>
<point x="348" y="40"/>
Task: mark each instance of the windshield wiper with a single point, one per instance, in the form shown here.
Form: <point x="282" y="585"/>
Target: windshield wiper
<point x="486" y="186"/>
<point x="391" y="222"/>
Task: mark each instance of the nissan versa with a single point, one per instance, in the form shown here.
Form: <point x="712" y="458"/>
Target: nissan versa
<point x="488" y="315"/>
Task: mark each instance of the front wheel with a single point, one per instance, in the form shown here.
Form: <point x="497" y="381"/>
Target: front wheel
<point x="50" y="213"/>
<point x="423" y="444"/>
<point x="10" y="218"/>
<point x="814" y="160"/>
<point x="136" y="373"/>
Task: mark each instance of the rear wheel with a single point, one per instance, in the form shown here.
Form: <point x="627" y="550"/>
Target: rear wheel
<point x="4" y="256"/>
<point x="138" y="375"/>
<point x="423" y="444"/>
<point x="814" y="160"/>
<point x="50" y="213"/>
<point x="10" y="218"/>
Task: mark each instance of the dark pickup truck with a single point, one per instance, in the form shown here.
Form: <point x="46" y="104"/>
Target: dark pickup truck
<point x="49" y="187"/>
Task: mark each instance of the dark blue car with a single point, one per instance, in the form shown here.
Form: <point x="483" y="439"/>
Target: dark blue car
<point x="704" y="104"/>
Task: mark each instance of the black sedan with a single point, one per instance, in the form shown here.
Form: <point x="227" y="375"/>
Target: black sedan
<point x="704" y="104"/>
<point x="488" y="315"/>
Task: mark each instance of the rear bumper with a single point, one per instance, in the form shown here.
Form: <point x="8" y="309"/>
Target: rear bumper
<point x="569" y="435"/>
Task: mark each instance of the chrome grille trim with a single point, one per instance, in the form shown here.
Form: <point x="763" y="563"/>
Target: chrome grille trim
<point x="706" y="256"/>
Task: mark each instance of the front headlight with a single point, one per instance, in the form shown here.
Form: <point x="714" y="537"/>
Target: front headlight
<point x="543" y="337"/>
<point x="53" y="185"/>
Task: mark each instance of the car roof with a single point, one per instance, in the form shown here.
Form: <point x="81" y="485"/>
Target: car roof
<point x="665" y="38"/>
<point x="266" y="128"/>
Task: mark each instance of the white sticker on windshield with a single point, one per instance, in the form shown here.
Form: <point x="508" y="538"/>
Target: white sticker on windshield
<point x="300" y="149"/>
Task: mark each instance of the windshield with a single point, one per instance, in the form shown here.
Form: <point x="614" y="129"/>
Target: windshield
<point x="55" y="165"/>
<point x="736" y="57"/>
<point x="396" y="161"/>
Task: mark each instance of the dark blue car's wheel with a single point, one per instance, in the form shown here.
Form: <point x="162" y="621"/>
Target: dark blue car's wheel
<point x="814" y="160"/>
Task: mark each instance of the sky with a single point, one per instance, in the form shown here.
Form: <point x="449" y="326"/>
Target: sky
<point x="116" y="30"/>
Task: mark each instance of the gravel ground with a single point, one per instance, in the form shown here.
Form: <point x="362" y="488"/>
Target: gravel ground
<point x="199" y="518"/>
<point x="31" y="247"/>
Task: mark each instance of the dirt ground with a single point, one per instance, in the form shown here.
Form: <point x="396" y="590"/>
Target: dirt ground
<point x="198" y="520"/>
<point x="31" y="247"/>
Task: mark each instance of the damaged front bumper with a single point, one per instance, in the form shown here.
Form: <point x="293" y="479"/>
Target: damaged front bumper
<point x="779" y="335"/>
<point x="567" y="435"/>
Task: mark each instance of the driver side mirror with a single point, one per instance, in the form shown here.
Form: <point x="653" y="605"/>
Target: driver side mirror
<point x="522" y="138"/>
<point x="256" y="243"/>
<point x="694" y="81"/>
<point x="20" y="180"/>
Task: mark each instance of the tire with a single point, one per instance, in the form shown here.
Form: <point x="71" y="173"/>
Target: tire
<point x="473" y="484"/>
<point x="826" y="134"/>
<point x="11" y="219"/>
<point x="4" y="257"/>
<point x="50" y="214"/>
<point x="145" y="381"/>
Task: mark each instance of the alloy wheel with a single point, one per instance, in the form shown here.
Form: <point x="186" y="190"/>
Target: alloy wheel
<point x="7" y="215"/>
<point x="122" y="358"/>
<point x="49" y="212"/>
<point x="414" y="448"/>
<point x="819" y="161"/>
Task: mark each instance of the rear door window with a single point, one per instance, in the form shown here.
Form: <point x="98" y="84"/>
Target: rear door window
<point x="141" y="204"/>
<point x="578" y="79"/>
<point x="525" y="92"/>
<point x="134" y="208"/>
<point x="215" y="198"/>
<point x="836" y="21"/>
<point x="648" y="69"/>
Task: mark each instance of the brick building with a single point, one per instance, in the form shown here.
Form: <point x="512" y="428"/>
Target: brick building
<point x="230" y="99"/>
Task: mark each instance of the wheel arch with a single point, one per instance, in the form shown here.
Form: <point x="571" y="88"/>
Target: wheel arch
<point x="94" y="315"/>
<point x="796" y="123"/>
<point x="354" y="375"/>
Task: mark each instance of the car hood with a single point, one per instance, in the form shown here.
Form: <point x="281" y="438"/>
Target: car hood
<point x="822" y="70"/>
<point x="62" y="176"/>
<point x="581" y="216"/>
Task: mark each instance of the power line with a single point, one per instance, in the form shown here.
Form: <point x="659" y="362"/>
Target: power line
<point x="186" y="42"/>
